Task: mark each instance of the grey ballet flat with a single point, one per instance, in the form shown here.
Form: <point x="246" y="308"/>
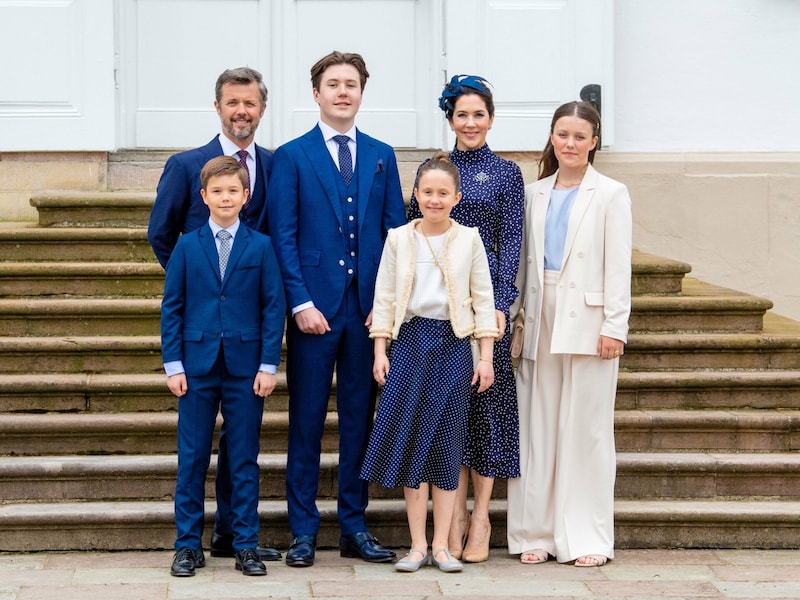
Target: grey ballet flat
<point x="451" y="565"/>
<point x="409" y="565"/>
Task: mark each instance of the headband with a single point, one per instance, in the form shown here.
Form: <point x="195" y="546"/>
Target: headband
<point x="455" y="88"/>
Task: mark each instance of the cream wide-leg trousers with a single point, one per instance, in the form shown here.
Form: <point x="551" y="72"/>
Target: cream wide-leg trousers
<point x="563" y="502"/>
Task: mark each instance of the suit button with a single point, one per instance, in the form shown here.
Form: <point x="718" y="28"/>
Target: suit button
<point x="349" y="271"/>
<point x="341" y="263"/>
<point x="530" y="259"/>
<point x="533" y="289"/>
<point x="222" y="298"/>
<point x="350" y="218"/>
<point x="350" y="199"/>
<point x="352" y="236"/>
<point x="572" y="313"/>
<point x="580" y="254"/>
<point x="572" y="284"/>
<point x="352" y="254"/>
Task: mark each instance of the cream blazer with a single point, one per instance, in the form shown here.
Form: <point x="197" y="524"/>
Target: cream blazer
<point x="469" y="285"/>
<point x="593" y="295"/>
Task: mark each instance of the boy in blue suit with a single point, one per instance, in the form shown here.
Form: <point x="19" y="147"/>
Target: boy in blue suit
<point x="334" y="193"/>
<point x="222" y="319"/>
<point x="240" y="102"/>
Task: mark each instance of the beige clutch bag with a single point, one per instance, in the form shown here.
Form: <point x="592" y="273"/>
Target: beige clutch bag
<point x="517" y="333"/>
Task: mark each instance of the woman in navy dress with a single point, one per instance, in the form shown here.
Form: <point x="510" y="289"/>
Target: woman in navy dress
<point x="493" y="194"/>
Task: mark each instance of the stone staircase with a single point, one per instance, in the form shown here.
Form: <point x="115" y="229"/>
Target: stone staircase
<point x="707" y="420"/>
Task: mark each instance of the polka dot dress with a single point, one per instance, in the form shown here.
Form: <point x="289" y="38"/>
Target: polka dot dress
<point x="420" y="429"/>
<point x="493" y="201"/>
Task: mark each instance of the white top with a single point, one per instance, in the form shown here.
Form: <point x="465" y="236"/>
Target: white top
<point x="428" y="294"/>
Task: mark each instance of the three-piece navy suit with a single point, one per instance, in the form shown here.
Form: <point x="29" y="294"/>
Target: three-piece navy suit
<point x="222" y="331"/>
<point x="179" y="208"/>
<point x="328" y="237"/>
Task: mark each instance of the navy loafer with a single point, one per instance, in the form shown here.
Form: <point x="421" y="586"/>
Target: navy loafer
<point x="301" y="551"/>
<point x="365" y="546"/>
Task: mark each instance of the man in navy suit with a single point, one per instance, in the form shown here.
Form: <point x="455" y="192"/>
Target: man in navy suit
<point x="222" y="322"/>
<point x="334" y="193"/>
<point x="241" y="99"/>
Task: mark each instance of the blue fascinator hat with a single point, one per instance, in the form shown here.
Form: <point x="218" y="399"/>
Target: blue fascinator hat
<point x="455" y="88"/>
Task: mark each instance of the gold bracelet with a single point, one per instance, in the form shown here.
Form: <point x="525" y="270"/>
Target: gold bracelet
<point x="484" y="360"/>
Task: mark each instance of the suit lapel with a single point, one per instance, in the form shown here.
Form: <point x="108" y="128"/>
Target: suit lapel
<point x="314" y="147"/>
<point x="582" y="202"/>
<point x="540" y="203"/>
<point x="209" y="248"/>
<point x="366" y="167"/>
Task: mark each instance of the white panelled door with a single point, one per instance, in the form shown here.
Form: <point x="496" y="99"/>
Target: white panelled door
<point x="57" y="64"/>
<point x="537" y="54"/>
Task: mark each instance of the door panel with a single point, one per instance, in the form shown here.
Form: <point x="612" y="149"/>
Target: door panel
<point x="58" y="95"/>
<point x="537" y="54"/>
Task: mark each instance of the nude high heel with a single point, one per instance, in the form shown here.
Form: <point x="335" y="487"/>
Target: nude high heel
<point x="477" y="549"/>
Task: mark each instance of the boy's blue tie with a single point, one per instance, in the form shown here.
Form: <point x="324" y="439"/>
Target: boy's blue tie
<point x="224" y="250"/>
<point x="345" y="158"/>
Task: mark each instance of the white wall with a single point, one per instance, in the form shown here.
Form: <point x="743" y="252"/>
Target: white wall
<point x="707" y="75"/>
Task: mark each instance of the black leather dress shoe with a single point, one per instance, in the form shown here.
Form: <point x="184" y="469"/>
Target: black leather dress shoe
<point x="301" y="552"/>
<point x="365" y="546"/>
<point x="248" y="563"/>
<point x="222" y="546"/>
<point x="186" y="561"/>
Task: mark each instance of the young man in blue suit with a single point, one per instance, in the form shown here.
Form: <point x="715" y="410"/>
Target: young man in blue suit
<point x="334" y="193"/>
<point x="241" y="99"/>
<point x="222" y="321"/>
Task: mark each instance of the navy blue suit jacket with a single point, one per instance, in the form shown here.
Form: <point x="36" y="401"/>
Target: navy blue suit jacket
<point x="179" y="208"/>
<point x="306" y="222"/>
<point x="244" y="314"/>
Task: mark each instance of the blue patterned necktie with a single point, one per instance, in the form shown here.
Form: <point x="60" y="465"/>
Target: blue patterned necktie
<point x="345" y="158"/>
<point x="242" y="154"/>
<point x="224" y="250"/>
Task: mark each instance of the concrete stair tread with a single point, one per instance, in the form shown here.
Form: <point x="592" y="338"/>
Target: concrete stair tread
<point x="80" y="306"/>
<point x="31" y="231"/>
<point x="710" y="378"/>
<point x="638" y="524"/>
<point x="116" y="464"/>
<point x="59" y="198"/>
<point x="699" y="295"/>
<point x="73" y="269"/>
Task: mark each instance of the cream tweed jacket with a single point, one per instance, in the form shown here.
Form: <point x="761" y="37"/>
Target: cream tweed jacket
<point x="469" y="285"/>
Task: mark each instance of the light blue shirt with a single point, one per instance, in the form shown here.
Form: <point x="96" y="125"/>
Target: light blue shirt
<point x="555" y="227"/>
<point x="174" y="367"/>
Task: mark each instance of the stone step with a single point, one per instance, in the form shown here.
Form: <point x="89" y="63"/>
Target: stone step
<point x="20" y="242"/>
<point x="78" y="355"/>
<point x="79" y="317"/>
<point x="718" y="431"/>
<point x="758" y="431"/>
<point x="97" y="389"/>
<point x="81" y="279"/>
<point x="151" y="525"/>
<point x="93" y="209"/>
<point x="124" y="433"/>
<point x="656" y="275"/>
<point x="701" y="307"/>
<point x="776" y="346"/>
<point x="660" y="475"/>
<point x="706" y="311"/>
<point x="710" y="389"/>
<point x="108" y="391"/>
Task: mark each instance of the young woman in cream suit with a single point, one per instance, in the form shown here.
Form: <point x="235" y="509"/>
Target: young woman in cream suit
<point x="574" y="281"/>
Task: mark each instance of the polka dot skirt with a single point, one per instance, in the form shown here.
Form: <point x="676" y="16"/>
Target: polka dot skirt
<point x="421" y="425"/>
